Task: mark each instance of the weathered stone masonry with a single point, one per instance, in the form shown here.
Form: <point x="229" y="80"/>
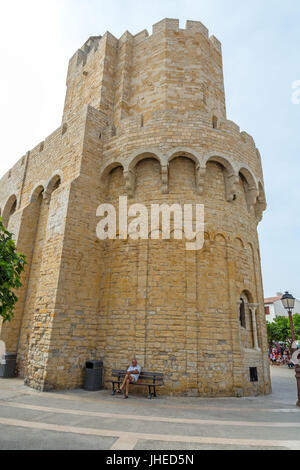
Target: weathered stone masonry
<point x="145" y="117"/>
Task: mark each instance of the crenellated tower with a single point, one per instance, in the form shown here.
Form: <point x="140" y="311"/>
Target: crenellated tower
<point x="174" y="69"/>
<point x="144" y="117"/>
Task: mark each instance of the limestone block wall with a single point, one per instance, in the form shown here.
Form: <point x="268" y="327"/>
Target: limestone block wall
<point x="38" y="224"/>
<point x="144" y="118"/>
<point x="171" y="69"/>
<point x="178" y="311"/>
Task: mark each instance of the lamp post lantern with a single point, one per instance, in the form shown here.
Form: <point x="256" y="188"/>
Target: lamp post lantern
<point x="288" y="301"/>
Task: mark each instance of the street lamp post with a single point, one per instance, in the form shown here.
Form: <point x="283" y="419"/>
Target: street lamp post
<point x="288" y="301"/>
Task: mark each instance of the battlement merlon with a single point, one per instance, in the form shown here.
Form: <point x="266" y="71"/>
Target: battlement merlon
<point x="79" y="59"/>
<point x="139" y="73"/>
<point x="166" y="24"/>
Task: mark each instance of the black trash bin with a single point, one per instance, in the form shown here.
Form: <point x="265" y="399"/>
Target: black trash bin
<point x="8" y="366"/>
<point x="93" y="376"/>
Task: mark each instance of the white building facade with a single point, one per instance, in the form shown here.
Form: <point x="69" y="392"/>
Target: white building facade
<point x="274" y="308"/>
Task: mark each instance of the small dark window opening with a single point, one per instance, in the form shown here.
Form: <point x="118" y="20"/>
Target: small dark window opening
<point x="13" y="208"/>
<point x="56" y="185"/>
<point x="244" y="182"/>
<point x="113" y="131"/>
<point x="242" y="314"/>
<point x="253" y="374"/>
<point x="215" y="122"/>
<point x="64" y="129"/>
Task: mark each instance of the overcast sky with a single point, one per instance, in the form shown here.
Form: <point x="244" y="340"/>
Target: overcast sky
<point x="261" y="49"/>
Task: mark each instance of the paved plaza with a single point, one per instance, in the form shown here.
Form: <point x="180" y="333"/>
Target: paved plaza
<point x="96" y="420"/>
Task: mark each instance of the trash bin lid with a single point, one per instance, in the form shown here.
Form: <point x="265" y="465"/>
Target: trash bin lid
<point x="10" y="356"/>
<point x="94" y="364"/>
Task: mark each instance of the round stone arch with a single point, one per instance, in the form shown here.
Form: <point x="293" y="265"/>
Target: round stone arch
<point x="133" y="160"/>
<point x="107" y="189"/>
<point x="252" y="189"/>
<point x="109" y="167"/>
<point x="231" y="174"/>
<point x="9" y="209"/>
<point x="224" y="160"/>
<point x="220" y="238"/>
<point x="261" y="190"/>
<point x="240" y="242"/>
<point x="143" y="154"/>
<point x="245" y="300"/>
<point x="57" y="176"/>
<point x="245" y="171"/>
<point x="56" y="180"/>
<point x="261" y="203"/>
<point x="36" y="192"/>
<point x="251" y="247"/>
<point x="184" y="152"/>
<point x="248" y="296"/>
<point x="193" y="156"/>
<point x="262" y="195"/>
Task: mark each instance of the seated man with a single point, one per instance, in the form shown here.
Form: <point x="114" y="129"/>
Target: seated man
<point x="132" y="376"/>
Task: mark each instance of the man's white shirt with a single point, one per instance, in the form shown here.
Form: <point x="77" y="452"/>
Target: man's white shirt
<point x="135" y="376"/>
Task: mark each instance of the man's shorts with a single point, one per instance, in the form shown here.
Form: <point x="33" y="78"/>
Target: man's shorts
<point x="133" y="379"/>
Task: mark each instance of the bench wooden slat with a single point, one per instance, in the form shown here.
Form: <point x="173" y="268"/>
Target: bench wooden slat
<point x="150" y="382"/>
<point x="142" y="374"/>
<point x="147" y="379"/>
<point x="145" y="385"/>
<point x="141" y="378"/>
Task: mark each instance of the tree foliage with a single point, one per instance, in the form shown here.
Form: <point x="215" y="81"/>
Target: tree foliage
<point x="280" y="331"/>
<point x="12" y="265"/>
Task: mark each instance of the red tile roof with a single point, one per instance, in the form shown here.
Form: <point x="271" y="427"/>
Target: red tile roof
<point x="272" y="300"/>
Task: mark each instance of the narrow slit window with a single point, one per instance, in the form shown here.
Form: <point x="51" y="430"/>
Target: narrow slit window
<point x="215" y="122"/>
<point x="253" y="374"/>
<point x="243" y="314"/>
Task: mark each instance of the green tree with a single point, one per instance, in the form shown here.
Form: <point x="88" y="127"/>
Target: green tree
<point x="280" y="331"/>
<point x="12" y="265"/>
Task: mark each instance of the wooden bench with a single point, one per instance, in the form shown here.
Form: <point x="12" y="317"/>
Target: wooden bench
<point x="147" y="379"/>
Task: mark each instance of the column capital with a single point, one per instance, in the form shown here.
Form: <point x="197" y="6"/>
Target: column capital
<point x="253" y="306"/>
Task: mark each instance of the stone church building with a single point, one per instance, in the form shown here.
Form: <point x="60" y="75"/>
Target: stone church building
<point x="144" y="117"/>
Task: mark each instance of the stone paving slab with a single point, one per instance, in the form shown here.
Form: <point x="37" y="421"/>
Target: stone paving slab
<point x="97" y="420"/>
<point x="14" y="438"/>
<point x="161" y="446"/>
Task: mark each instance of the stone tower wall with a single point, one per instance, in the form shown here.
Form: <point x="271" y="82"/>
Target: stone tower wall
<point x="174" y="68"/>
<point x="144" y="117"/>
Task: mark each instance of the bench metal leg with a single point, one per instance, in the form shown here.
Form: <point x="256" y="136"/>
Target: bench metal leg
<point x="114" y="390"/>
<point x="152" y="394"/>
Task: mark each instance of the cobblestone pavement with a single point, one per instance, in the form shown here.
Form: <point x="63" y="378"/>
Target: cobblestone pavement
<point x="96" y="420"/>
